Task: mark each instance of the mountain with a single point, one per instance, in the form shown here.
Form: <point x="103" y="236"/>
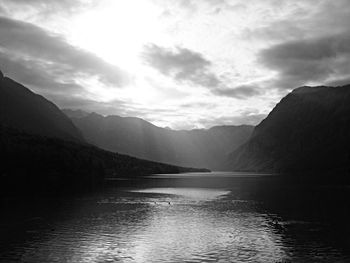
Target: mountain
<point x="42" y="151"/>
<point x="137" y="137"/>
<point x="38" y="164"/>
<point x="24" y="110"/>
<point x="308" y="130"/>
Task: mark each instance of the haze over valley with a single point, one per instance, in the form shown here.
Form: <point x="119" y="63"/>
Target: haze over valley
<point x="174" y="131"/>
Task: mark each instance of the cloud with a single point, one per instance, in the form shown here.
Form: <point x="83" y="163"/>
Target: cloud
<point x="38" y="3"/>
<point x="248" y="118"/>
<point x="339" y="82"/>
<point x="114" y="107"/>
<point x="46" y="7"/>
<point x="32" y="43"/>
<point x="2" y="10"/>
<point x="300" y="19"/>
<point x="314" y="60"/>
<point x="36" y="74"/>
<point x="239" y="92"/>
<point x="207" y="6"/>
<point x="182" y="64"/>
<point x="305" y="44"/>
<point x="199" y="105"/>
<point x="241" y="118"/>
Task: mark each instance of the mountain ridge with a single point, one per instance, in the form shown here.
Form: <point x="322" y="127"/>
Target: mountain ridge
<point x="137" y="137"/>
<point x="308" y="130"/>
<point x="78" y="113"/>
<point x="41" y="151"/>
<point x="25" y="110"/>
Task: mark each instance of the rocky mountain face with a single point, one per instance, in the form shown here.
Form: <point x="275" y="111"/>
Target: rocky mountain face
<point x="137" y="137"/>
<point x="308" y="130"/>
<point x="24" y="110"/>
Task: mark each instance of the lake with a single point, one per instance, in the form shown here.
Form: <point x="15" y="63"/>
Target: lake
<point x="213" y="217"/>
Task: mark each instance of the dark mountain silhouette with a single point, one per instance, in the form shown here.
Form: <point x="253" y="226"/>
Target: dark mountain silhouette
<point x="309" y="130"/>
<point x="24" y="110"/>
<point x="42" y="151"/>
<point x="137" y="137"/>
<point x="33" y="163"/>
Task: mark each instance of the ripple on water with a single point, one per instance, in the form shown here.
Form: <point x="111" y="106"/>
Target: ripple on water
<point x="170" y="225"/>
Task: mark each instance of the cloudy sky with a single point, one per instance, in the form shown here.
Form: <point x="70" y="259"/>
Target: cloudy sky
<point x="177" y="63"/>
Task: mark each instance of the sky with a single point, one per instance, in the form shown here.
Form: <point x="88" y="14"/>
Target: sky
<point x="181" y="64"/>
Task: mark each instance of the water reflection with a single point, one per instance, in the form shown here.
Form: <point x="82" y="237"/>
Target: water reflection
<point x="166" y="224"/>
<point x="186" y="193"/>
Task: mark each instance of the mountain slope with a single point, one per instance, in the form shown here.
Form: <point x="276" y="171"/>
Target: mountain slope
<point x="137" y="137"/>
<point x="32" y="163"/>
<point x="309" y="130"/>
<point x="42" y="151"/>
<point x="24" y="110"/>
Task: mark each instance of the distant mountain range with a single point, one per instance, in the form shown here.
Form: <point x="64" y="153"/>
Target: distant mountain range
<point x="309" y="130"/>
<point x="42" y="150"/>
<point x="137" y="137"/>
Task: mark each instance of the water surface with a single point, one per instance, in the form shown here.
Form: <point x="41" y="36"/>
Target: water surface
<point x="187" y="218"/>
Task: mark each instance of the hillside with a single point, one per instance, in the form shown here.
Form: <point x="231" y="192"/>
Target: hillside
<point x="46" y="164"/>
<point x="308" y="130"/>
<point x="137" y="137"/>
<point x="42" y="151"/>
<point x="24" y="110"/>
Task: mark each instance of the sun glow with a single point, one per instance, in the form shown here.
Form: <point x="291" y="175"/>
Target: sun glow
<point x="117" y="30"/>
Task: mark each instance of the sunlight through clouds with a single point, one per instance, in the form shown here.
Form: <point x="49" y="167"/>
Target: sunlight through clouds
<point x="116" y="31"/>
<point x="157" y="54"/>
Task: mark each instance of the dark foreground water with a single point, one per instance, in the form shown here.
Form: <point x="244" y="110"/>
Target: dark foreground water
<point x="185" y="218"/>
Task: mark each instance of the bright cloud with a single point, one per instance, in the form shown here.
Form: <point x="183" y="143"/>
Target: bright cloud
<point x="177" y="63"/>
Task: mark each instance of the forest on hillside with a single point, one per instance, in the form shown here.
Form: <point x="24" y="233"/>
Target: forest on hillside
<point x="33" y="163"/>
